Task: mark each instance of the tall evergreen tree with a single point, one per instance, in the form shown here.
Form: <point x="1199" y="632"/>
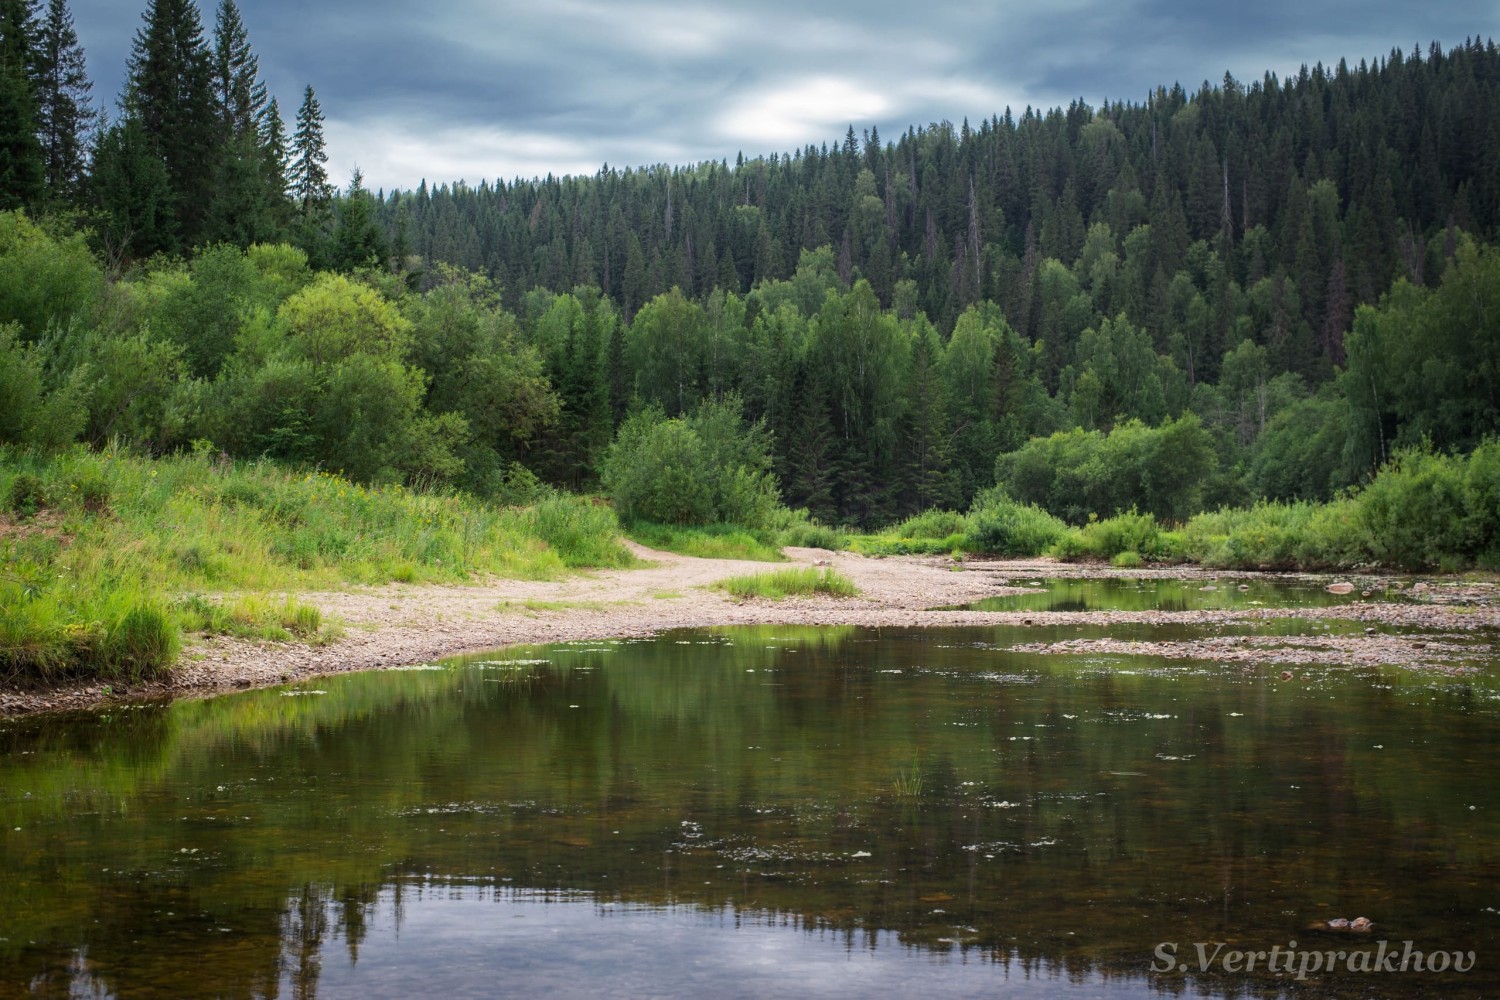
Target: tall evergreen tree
<point x="249" y="186"/>
<point x="308" y="175"/>
<point x="239" y="94"/>
<point x="129" y="186"/>
<point x="22" y="172"/>
<point x="170" y="88"/>
<point x="64" y="115"/>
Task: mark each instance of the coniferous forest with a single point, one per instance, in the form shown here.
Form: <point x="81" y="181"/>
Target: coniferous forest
<point x="1200" y="299"/>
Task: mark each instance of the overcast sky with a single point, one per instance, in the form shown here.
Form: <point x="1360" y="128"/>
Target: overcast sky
<point x="468" y="90"/>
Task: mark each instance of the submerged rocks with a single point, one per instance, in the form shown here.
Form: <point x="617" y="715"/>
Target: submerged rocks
<point x="1359" y="925"/>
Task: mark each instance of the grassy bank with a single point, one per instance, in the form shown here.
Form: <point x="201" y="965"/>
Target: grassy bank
<point x="728" y="541"/>
<point x="109" y="558"/>
<point x="1420" y="512"/>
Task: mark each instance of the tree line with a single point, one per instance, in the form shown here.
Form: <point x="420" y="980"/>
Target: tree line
<point x="1288" y="281"/>
<point x="197" y="152"/>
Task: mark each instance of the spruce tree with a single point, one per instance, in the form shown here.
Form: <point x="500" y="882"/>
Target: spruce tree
<point x="249" y="184"/>
<point x="64" y="115"/>
<point x="129" y="186"/>
<point x="170" y="89"/>
<point x="309" y="175"/>
<point x="21" y="168"/>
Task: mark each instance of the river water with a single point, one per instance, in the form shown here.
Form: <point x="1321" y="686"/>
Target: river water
<point x="762" y="811"/>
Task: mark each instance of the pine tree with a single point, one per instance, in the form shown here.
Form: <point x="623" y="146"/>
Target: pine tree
<point x="239" y="94"/>
<point x="129" y="186"/>
<point x="357" y="239"/>
<point x="308" y="174"/>
<point x="170" y="89"/>
<point x="64" y="115"/>
<point x="22" y="172"/>
<point x="249" y="184"/>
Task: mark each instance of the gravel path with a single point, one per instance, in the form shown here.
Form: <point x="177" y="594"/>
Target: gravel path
<point x="399" y="625"/>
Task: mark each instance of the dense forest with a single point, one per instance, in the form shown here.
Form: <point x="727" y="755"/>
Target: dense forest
<point x="1256" y="291"/>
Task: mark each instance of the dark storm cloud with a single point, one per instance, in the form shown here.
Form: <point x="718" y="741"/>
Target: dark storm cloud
<point x="466" y="89"/>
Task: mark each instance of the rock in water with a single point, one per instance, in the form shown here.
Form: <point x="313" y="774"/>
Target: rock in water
<point x="1340" y="588"/>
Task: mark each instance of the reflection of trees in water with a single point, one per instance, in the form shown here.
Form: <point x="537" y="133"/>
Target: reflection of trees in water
<point x="316" y="916"/>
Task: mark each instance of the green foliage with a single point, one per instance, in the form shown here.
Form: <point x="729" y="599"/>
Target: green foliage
<point x="932" y="524"/>
<point x="253" y="616"/>
<point x="998" y="525"/>
<point x="710" y="541"/>
<point x="1423" y="511"/>
<point x="46" y="279"/>
<point x="1078" y="474"/>
<point x="1423" y="366"/>
<point x="582" y="533"/>
<point x="789" y="583"/>
<point x="25" y="495"/>
<point x="707" y="468"/>
<point x="1133" y="533"/>
<point x="85" y="591"/>
<point x="35" y="412"/>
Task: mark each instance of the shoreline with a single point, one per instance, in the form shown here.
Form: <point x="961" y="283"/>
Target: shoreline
<point x="399" y="625"/>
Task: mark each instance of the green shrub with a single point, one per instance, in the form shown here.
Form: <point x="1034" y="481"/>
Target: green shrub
<point x="998" y="525"/>
<point x="582" y="533"/>
<point x="26" y="494"/>
<point x="932" y="524"/>
<point x="706" y="468"/>
<point x="1131" y="532"/>
<point x="1127" y="560"/>
<point x="709" y="541"/>
<point x="814" y="536"/>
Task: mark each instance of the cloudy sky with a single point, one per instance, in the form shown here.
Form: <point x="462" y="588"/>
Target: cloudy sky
<point x="468" y="90"/>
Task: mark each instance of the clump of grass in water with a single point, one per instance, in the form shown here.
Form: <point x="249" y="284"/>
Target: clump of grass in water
<point x="908" y="783"/>
<point x="789" y="582"/>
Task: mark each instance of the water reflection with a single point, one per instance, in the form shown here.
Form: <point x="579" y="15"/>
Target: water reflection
<point x="917" y="811"/>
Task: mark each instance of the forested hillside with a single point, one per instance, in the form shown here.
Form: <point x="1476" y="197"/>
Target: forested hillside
<point x="1259" y="290"/>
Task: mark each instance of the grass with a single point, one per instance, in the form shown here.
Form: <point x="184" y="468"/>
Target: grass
<point x="716" y="541"/>
<point x="908" y="783"/>
<point x="255" y="616"/>
<point x="788" y="583"/>
<point x="102" y="553"/>
<point x="534" y="604"/>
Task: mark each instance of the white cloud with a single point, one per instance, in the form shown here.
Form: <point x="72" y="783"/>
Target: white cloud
<point x="799" y="113"/>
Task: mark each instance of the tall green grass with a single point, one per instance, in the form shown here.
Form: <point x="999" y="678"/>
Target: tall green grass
<point x="100" y="552"/>
<point x="789" y="582"/>
<point x="713" y="541"/>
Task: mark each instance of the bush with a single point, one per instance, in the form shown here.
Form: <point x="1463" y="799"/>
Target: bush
<point x="707" y="468"/>
<point x="583" y="533"/>
<point x="998" y="525"/>
<point x="26" y="495"/>
<point x="1078" y="474"/>
<point x="932" y="524"/>
<point x="1135" y="533"/>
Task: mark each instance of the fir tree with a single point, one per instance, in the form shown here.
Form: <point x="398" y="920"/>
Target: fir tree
<point x="170" y="89"/>
<point x="249" y="188"/>
<point x="22" y="172"/>
<point x="308" y="175"/>
<point x="64" y="115"/>
<point x="130" y="188"/>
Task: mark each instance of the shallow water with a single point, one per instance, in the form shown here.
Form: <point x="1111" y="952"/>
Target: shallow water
<point x="754" y="811"/>
<point x="1157" y="594"/>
